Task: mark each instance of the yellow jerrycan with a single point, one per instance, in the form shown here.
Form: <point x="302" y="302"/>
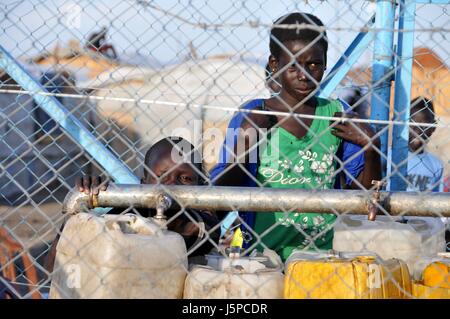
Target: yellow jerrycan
<point x="434" y="282"/>
<point x="336" y="275"/>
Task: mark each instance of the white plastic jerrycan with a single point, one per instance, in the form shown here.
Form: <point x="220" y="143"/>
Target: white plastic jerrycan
<point x="236" y="278"/>
<point x="409" y="239"/>
<point x="118" y="256"/>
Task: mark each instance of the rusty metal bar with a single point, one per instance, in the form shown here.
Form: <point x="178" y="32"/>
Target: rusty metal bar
<point x="263" y="200"/>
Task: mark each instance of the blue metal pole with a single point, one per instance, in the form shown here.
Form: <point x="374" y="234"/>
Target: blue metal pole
<point x="403" y="82"/>
<point x="382" y="69"/>
<point x="346" y="61"/>
<point x="433" y="1"/>
<point x="115" y="168"/>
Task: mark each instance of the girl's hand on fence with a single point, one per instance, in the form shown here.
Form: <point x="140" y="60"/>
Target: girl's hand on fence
<point x="94" y="184"/>
<point x="355" y="132"/>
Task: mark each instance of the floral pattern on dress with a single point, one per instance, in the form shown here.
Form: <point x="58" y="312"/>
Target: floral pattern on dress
<point x="318" y="220"/>
<point x="307" y="155"/>
<point x="299" y="168"/>
<point x="319" y="167"/>
<point x="328" y="159"/>
<point x="286" y="164"/>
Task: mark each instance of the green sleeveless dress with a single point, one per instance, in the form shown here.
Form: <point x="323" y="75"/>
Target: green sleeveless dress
<point x="306" y="163"/>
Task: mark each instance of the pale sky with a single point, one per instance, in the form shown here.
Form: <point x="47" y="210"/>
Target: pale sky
<point x="28" y="27"/>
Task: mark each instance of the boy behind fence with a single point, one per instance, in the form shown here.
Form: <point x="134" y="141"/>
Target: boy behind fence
<point x="170" y="161"/>
<point x="425" y="170"/>
<point x="298" y="152"/>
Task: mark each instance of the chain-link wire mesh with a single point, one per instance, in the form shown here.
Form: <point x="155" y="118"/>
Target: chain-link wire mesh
<point x="211" y="94"/>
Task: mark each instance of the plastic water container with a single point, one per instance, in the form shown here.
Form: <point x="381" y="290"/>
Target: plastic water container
<point x="410" y="239"/>
<point x="236" y="278"/>
<point x="434" y="271"/>
<point x="342" y="275"/>
<point x="118" y="257"/>
<point x="433" y="277"/>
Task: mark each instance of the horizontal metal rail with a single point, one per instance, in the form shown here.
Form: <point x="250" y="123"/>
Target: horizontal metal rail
<point x="263" y="200"/>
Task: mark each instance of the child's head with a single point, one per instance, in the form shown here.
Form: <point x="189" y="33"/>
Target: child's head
<point x="172" y="161"/>
<point x="300" y="76"/>
<point x="422" y="111"/>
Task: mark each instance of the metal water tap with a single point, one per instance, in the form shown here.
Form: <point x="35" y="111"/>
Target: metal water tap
<point x="235" y="252"/>
<point x="373" y="205"/>
<point x="164" y="202"/>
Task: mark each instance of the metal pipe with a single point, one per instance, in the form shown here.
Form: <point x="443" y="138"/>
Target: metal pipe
<point x="347" y="60"/>
<point x="264" y="200"/>
<point x="71" y="125"/>
<point x="402" y="99"/>
<point x="382" y="70"/>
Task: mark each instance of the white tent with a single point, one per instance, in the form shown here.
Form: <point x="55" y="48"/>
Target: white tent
<point x="185" y="100"/>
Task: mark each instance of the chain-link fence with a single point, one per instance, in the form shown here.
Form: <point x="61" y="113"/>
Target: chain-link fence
<point x="287" y="159"/>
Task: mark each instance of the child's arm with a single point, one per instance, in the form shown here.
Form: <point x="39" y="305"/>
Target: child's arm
<point x="233" y="169"/>
<point x="238" y="141"/>
<point x="372" y="169"/>
<point x="236" y="166"/>
<point x="84" y="184"/>
<point x="361" y="134"/>
<point x="228" y="172"/>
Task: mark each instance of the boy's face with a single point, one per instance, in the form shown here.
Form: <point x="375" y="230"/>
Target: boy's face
<point x="273" y="86"/>
<point x="171" y="172"/>
<point x="419" y="135"/>
<point x="302" y="78"/>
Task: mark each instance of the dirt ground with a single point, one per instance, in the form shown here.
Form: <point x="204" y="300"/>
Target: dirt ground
<point x="35" y="227"/>
<point x="32" y="225"/>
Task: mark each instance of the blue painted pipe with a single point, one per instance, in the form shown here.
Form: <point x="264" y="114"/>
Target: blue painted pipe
<point x="403" y="82"/>
<point x="346" y="61"/>
<point x="115" y="168"/>
<point x="382" y="70"/>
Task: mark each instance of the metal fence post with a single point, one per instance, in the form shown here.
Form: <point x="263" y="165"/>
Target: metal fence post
<point x="382" y="69"/>
<point x="403" y="81"/>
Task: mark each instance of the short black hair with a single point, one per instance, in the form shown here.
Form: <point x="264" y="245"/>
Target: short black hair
<point x="308" y="34"/>
<point x="166" y="144"/>
<point x="423" y="106"/>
